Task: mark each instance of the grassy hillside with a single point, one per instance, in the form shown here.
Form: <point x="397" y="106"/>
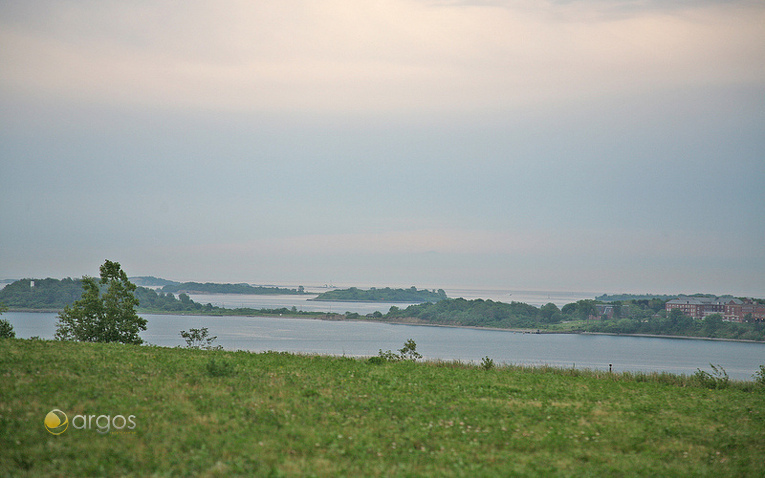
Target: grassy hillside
<point x="215" y="413"/>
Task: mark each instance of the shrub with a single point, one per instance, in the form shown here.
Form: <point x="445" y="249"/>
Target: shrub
<point x="717" y="379"/>
<point x="407" y="352"/>
<point x="219" y="368"/>
<point x="487" y="363"/>
<point x="199" y="339"/>
<point x="387" y="356"/>
<point x="379" y="360"/>
<point x="759" y="376"/>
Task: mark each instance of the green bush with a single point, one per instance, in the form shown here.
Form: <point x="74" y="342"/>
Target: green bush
<point x="487" y="363"/>
<point x="407" y="352"/>
<point x="200" y="339"/>
<point x="219" y="368"/>
<point x="716" y="380"/>
<point x="379" y="360"/>
<point x="759" y="376"/>
<point x="387" y="356"/>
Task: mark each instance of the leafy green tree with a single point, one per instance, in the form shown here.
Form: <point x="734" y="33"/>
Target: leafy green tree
<point x="550" y="313"/>
<point x="675" y="316"/>
<point x="409" y="351"/>
<point x="678" y="321"/>
<point x="569" y="309"/>
<point x="627" y="326"/>
<point x="711" y="324"/>
<point x="200" y="339"/>
<point x="105" y="312"/>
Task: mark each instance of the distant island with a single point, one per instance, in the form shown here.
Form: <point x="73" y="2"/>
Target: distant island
<point x="411" y="295"/>
<point x="241" y="288"/>
<point x="175" y="287"/>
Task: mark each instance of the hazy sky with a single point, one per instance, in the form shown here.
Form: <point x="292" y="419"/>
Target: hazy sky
<point x="582" y="145"/>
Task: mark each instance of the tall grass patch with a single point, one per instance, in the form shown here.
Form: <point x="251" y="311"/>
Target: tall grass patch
<point x="300" y="415"/>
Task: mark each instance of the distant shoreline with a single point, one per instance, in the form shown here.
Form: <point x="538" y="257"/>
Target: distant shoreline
<point x="329" y="317"/>
<point x="717" y="339"/>
<point x="560" y="332"/>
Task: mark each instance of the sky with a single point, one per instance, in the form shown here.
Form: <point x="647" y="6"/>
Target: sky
<point x="577" y="145"/>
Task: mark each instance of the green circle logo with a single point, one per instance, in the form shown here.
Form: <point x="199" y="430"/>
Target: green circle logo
<point x="56" y="422"/>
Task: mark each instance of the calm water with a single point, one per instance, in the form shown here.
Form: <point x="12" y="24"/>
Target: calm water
<point x="232" y="301"/>
<point x="740" y="360"/>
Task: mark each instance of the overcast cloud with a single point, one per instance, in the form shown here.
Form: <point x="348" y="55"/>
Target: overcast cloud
<point x="593" y="145"/>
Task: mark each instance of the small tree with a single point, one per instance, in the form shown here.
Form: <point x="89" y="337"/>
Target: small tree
<point x="198" y="339"/>
<point x="409" y="351"/>
<point x="487" y="363"/>
<point x="105" y="312"/>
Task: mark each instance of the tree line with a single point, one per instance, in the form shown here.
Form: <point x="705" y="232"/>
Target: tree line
<point x="642" y="316"/>
<point x="472" y="313"/>
<point x="677" y="323"/>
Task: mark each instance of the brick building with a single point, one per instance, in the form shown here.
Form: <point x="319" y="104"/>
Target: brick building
<point x="737" y="310"/>
<point x="732" y="310"/>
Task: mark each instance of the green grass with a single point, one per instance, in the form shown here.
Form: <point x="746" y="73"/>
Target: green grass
<point x="215" y="413"/>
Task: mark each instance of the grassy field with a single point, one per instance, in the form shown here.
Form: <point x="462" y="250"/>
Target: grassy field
<point x="215" y="413"/>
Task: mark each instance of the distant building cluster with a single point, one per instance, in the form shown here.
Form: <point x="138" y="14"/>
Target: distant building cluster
<point x="732" y="310"/>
